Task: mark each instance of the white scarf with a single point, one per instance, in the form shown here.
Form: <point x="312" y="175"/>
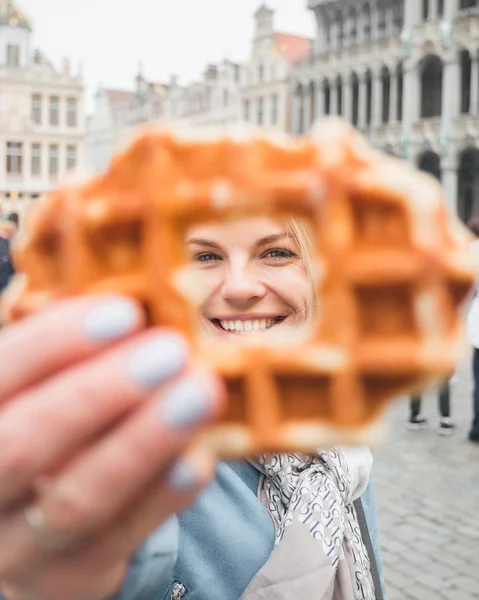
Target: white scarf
<point x="316" y="492"/>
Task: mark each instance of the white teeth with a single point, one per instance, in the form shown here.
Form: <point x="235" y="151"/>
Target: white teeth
<point x="252" y="325"/>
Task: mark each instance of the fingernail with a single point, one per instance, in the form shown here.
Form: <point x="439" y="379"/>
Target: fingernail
<point x="158" y="360"/>
<point x="184" y="476"/>
<point x="111" y="320"/>
<point x="187" y="403"/>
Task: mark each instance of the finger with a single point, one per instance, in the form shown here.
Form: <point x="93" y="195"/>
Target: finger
<point x="24" y="560"/>
<point x="46" y="426"/>
<point x="66" y="333"/>
<point x="116" y="471"/>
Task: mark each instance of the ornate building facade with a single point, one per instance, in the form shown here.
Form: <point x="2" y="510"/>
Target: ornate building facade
<point x="41" y="115"/>
<point x="405" y="72"/>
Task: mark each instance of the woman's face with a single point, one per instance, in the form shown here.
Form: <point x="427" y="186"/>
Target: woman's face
<point x="252" y="276"/>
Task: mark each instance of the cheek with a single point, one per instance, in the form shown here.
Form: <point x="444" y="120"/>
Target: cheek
<point x="208" y="281"/>
<point x="292" y="284"/>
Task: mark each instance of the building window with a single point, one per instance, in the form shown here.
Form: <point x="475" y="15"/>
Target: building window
<point x="340" y="32"/>
<point x="36" y="159"/>
<point x="400" y="85"/>
<point x="385" y="95"/>
<point x="327" y="98"/>
<point x="367" y="22"/>
<point x="71" y="157"/>
<point x="246" y="105"/>
<point x="13" y="56"/>
<point x="54" y="111"/>
<point x="369" y="97"/>
<point x="53" y="160"/>
<point x="274" y="109"/>
<point x="440" y="8"/>
<point x="14" y="158"/>
<point x="225" y="98"/>
<point x="467" y="4"/>
<point x="425" y="10"/>
<point x="339" y="96"/>
<point x="72" y="112"/>
<point x="260" y="73"/>
<point x="37" y="109"/>
<point x="398" y="16"/>
<point x="260" y="111"/>
<point x="431" y="87"/>
<point x="353" y="21"/>
<point x="382" y="21"/>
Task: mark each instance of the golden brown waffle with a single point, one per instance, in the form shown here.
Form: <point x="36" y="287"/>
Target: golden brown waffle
<point x="392" y="267"/>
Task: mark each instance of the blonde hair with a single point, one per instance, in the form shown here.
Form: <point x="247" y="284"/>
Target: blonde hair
<point x="302" y="234"/>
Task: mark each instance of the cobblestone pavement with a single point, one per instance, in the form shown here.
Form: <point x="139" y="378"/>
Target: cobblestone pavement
<point x="427" y="490"/>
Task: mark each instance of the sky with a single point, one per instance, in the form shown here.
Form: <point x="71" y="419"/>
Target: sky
<point x="113" y="37"/>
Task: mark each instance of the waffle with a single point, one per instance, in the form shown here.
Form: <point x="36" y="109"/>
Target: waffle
<point x="392" y="269"/>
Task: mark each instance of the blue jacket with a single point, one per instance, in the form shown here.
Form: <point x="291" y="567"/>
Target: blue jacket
<point x="213" y="550"/>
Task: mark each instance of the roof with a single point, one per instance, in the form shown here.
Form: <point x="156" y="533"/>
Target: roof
<point x="293" y="47"/>
<point x="11" y="14"/>
<point x="117" y="96"/>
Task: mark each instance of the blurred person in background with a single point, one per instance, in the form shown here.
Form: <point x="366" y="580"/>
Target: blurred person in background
<point x="8" y="228"/>
<point x="473" y="339"/>
<point x="417" y="421"/>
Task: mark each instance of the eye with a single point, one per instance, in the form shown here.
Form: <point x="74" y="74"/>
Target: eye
<point x="206" y="257"/>
<point x="280" y="254"/>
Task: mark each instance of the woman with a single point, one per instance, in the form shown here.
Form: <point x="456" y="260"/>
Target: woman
<point x="93" y="460"/>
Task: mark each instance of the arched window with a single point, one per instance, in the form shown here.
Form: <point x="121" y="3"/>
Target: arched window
<point x="355" y="99"/>
<point x="431" y="86"/>
<point x="385" y="94"/>
<point x="466" y="71"/>
<point x="327" y="97"/>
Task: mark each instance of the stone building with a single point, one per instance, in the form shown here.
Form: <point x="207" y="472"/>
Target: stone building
<point x="118" y="114"/>
<point x="265" y="89"/>
<point x="405" y="72"/>
<point x="41" y="115"/>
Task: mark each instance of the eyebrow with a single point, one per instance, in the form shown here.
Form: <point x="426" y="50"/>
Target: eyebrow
<point x="269" y="239"/>
<point x="203" y="242"/>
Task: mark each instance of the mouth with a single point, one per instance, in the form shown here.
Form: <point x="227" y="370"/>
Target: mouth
<point x="247" y="325"/>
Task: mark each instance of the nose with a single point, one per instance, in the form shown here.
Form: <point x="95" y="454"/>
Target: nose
<point x="241" y="286"/>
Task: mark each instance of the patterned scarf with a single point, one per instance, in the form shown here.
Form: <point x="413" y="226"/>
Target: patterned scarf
<point x="314" y="492"/>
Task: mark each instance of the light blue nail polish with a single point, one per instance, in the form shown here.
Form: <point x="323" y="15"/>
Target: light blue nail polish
<point x="182" y="477"/>
<point x="186" y="404"/>
<point x="111" y="320"/>
<point x="158" y="360"/>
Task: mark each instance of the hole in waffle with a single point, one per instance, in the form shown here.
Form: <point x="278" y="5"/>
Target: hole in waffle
<point x="251" y="278"/>
<point x="236" y="411"/>
<point x="314" y="401"/>
<point x="386" y="311"/>
<point x="114" y="249"/>
<point x="383" y="223"/>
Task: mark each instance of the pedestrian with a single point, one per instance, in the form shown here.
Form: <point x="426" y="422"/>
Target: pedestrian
<point x="94" y="472"/>
<point x="8" y="228"/>
<point x="473" y="339"/>
<point x="417" y="421"/>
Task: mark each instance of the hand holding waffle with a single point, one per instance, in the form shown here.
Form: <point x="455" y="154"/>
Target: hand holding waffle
<point x="95" y="425"/>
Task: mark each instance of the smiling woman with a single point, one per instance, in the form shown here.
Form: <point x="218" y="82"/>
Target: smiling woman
<point x="255" y="275"/>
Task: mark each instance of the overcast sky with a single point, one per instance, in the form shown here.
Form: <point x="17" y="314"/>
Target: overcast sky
<point x="111" y="37"/>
